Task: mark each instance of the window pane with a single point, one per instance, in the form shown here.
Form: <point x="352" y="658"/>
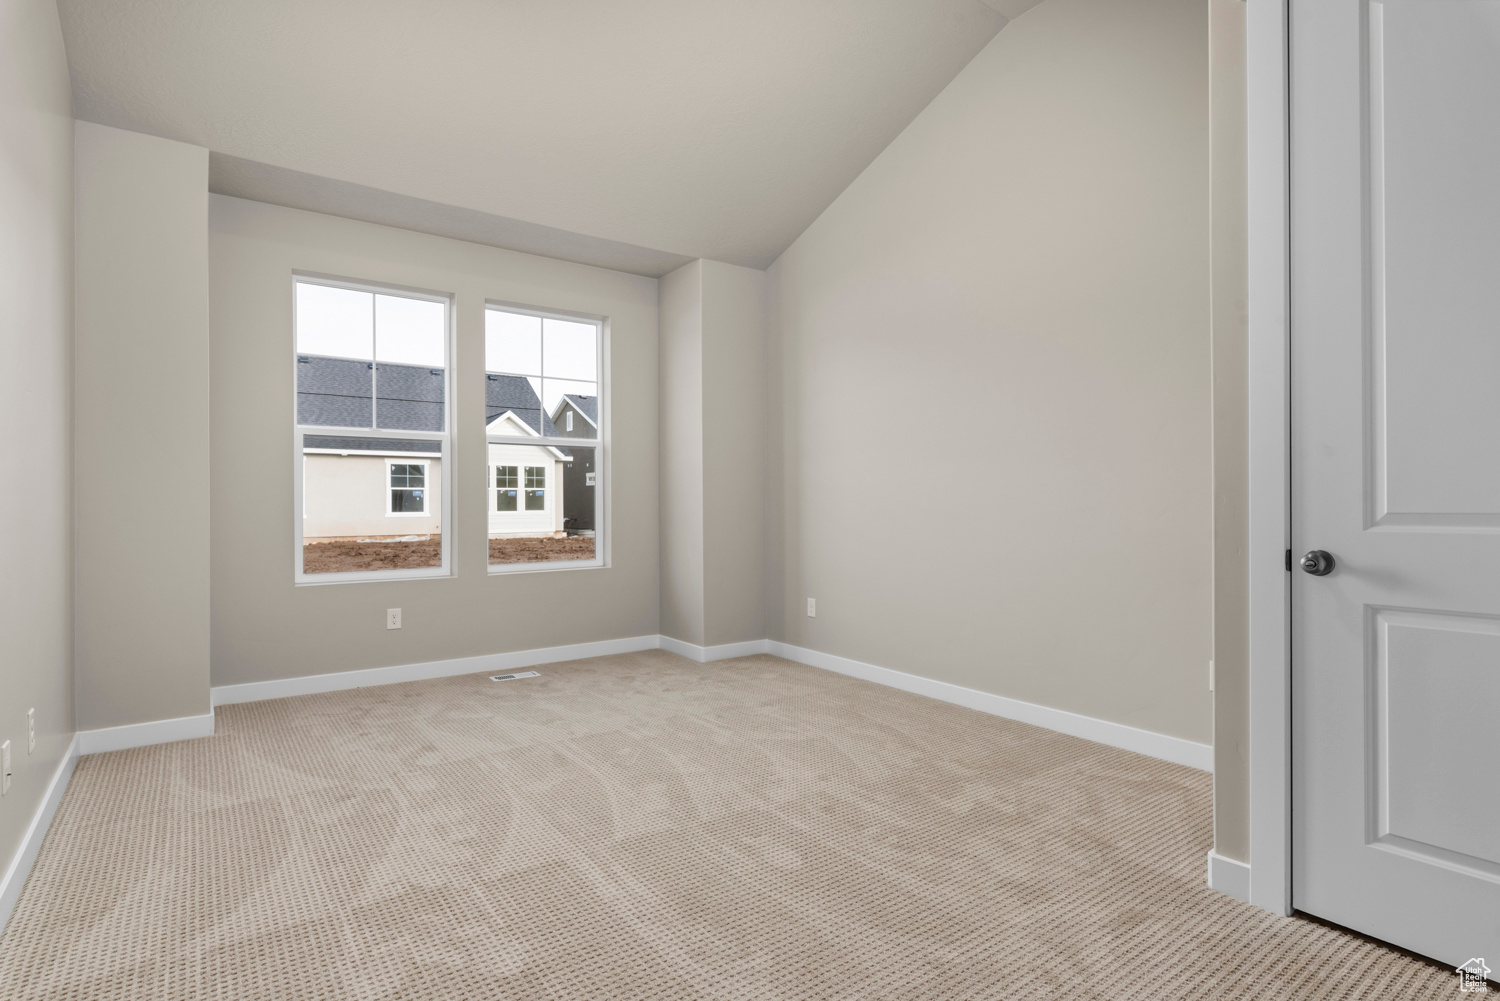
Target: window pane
<point x="409" y="397"/>
<point x="512" y="343"/>
<point x="410" y="349"/>
<point x="334" y="392"/>
<point x="335" y="322"/>
<point x="570" y="350"/>
<point x="536" y="488"/>
<point x="581" y="398"/>
<point x="563" y="527"/>
<point x="370" y="504"/>
<point x="512" y="405"/>
<point x="410" y="331"/>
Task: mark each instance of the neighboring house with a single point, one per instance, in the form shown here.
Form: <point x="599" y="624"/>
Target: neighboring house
<point x="369" y="488"/>
<point x="390" y="488"/>
<point x="578" y="417"/>
<point x="527" y="483"/>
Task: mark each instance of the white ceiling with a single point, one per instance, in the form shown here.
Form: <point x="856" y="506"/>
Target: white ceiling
<point x="694" y="128"/>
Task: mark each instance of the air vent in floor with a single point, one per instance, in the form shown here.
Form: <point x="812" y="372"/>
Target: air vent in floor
<point x="513" y="677"/>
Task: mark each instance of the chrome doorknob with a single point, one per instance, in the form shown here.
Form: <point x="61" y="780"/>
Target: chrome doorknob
<point x="1318" y="563"/>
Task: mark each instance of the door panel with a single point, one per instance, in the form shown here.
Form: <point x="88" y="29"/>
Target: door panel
<point x="1437" y="684"/>
<point x="1434" y="76"/>
<point x="1395" y="229"/>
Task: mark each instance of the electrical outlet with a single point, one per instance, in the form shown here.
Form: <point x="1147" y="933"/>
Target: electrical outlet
<point x="812" y="608"/>
<point x="393" y="618"/>
<point x="5" y="768"/>
<point x="30" y="730"/>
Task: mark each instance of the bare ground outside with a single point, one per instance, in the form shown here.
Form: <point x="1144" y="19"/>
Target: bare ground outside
<point x="346" y="557"/>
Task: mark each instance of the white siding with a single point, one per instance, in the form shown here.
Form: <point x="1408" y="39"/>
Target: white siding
<point x="522" y="522"/>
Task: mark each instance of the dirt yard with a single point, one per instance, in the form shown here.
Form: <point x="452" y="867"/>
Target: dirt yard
<point x="540" y="550"/>
<point x="343" y="557"/>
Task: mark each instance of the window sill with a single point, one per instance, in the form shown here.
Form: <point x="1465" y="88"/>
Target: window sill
<point x="544" y="566"/>
<point x="370" y="576"/>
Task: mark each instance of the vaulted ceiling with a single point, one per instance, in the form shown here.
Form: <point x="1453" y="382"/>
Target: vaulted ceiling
<point x="667" y="129"/>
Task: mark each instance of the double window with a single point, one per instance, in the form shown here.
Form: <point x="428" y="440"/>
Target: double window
<point x="373" y="428"/>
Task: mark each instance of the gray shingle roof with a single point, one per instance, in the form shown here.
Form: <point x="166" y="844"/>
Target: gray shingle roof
<point x="336" y="392"/>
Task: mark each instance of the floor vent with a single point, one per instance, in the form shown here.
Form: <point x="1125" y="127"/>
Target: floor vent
<point x="513" y="677"/>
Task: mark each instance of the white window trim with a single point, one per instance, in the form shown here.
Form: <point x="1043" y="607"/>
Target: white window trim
<point x="426" y="465"/>
<point x="1268" y="214"/>
<point x="600" y="444"/>
<point x="444" y="455"/>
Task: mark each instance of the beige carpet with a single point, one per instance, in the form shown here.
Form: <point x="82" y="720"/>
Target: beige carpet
<point x="644" y="827"/>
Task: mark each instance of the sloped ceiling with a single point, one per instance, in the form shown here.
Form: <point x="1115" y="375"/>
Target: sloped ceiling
<point x="678" y="128"/>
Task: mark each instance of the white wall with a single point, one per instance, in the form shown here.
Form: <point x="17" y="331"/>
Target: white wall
<point x="141" y="389"/>
<point x="320" y="628"/>
<point x="1022" y="278"/>
<point x="36" y="307"/>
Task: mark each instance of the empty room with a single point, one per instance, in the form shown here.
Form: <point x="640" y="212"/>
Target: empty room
<point x="781" y="500"/>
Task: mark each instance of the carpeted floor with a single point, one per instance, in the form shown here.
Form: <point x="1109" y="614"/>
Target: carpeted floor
<point x="642" y="827"/>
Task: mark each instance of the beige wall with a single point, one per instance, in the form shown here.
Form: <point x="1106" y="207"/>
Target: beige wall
<point x="140" y="388"/>
<point x="319" y="628"/>
<point x="682" y="454"/>
<point x="734" y="453"/>
<point x="713" y="453"/>
<point x="36" y="204"/>
<point x="1231" y="433"/>
<point x="1021" y="276"/>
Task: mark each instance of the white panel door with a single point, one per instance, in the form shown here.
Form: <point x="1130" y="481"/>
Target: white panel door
<point x="1395" y="222"/>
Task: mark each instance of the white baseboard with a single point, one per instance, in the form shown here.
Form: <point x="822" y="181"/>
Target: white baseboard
<point x="31" y="841"/>
<point x="1129" y="738"/>
<point x="1229" y="876"/>
<point x="705" y="654"/>
<point x="159" y="731"/>
<point x="1174" y="749"/>
<point x="256" y="691"/>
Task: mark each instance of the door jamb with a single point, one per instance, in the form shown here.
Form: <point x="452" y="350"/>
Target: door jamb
<point x="1268" y="231"/>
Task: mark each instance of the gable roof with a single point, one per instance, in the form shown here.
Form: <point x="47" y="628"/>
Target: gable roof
<point x="514" y="393"/>
<point x="588" y="406"/>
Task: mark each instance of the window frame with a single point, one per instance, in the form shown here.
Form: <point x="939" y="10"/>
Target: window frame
<point x="445" y="438"/>
<point x="600" y="443"/>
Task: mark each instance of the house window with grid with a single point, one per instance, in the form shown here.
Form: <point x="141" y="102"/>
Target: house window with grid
<point x="544" y="383"/>
<point x="408" y="488"/>
<point x="371" y="367"/>
<point x="506" y="487"/>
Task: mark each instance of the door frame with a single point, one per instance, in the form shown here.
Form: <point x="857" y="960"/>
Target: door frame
<point x="1269" y="284"/>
